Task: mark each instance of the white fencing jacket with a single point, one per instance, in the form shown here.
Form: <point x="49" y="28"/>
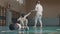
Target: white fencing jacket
<point x="39" y="9"/>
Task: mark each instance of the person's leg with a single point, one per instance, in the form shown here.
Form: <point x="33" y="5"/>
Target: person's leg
<point x="19" y="26"/>
<point x="26" y="24"/>
<point x="36" y="19"/>
<point x="22" y="23"/>
<point x="40" y="17"/>
<point x="16" y="26"/>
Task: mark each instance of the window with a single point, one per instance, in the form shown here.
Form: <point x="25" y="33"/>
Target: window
<point x="2" y="16"/>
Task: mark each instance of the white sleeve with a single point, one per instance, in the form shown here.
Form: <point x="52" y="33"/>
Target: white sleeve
<point x="35" y="8"/>
<point x="18" y="19"/>
<point x="27" y="15"/>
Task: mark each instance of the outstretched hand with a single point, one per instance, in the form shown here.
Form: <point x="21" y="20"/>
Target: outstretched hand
<point x="33" y="10"/>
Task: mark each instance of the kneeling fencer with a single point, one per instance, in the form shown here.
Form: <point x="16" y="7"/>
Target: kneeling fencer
<point x="23" y="19"/>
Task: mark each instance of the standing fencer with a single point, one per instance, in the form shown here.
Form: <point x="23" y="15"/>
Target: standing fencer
<point x="39" y="10"/>
<point x="23" y="19"/>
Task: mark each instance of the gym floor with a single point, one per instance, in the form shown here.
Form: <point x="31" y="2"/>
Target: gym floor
<point x="32" y="30"/>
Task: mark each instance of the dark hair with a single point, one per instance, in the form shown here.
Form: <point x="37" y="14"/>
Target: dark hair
<point x="38" y="1"/>
<point x="22" y="15"/>
<point x="11" y="27"/>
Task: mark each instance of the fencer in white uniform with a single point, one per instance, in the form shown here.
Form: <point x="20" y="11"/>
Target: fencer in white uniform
<point x="23" y="19"/>
<point x="39" y="10"/>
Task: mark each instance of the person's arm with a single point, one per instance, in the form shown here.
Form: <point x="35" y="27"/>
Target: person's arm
<point x="27" y="15"/>
<point x="35" y="8"/>
<point x="18" y="19"/>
